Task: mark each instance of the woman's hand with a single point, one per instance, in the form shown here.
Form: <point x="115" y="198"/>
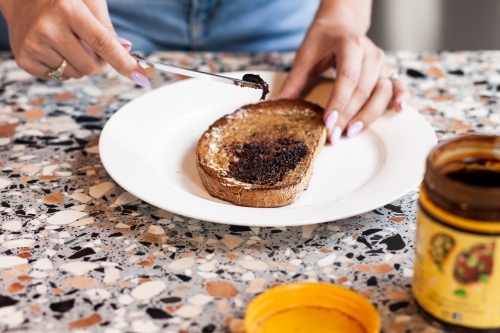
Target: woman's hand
<point x="363" y="88"/>
<point x="43" y="33"/>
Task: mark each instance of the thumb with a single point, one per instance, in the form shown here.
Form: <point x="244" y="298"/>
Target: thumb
<point x="298" y="79"/>
<point x="295" y="83"/>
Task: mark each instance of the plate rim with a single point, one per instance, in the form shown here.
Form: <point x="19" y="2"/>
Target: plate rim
<point x="196" y="214"/>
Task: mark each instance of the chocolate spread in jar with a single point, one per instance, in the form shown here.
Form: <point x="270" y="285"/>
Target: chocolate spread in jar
<point x="478" y="172"/>
<point x="266" y="162"/>
<point x="255" y="78"/>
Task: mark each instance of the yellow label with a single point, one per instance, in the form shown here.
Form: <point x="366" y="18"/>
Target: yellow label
<point x="456" y="274"/>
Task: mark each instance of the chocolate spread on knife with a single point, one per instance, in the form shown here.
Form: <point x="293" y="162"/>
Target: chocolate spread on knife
<point x="266" y="162"/>
<point x="255" y="78"/>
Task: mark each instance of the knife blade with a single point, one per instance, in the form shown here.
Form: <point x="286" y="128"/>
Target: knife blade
<point x="194" y="73"/>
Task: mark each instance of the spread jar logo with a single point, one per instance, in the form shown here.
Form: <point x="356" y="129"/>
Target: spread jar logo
<point x="474" y="265"/>
<point x="440" y="248"/>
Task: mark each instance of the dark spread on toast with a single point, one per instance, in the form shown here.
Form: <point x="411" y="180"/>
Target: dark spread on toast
<point x="266" y="162"/>
<point x="255" y="78"/>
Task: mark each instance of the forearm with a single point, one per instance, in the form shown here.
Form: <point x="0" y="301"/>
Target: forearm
<point x="353" y="13"/>
<point x="2" y="4"/>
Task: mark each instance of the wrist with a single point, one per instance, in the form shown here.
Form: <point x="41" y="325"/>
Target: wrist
<point x="335" y="28"/>
<point x="347" y="15"/>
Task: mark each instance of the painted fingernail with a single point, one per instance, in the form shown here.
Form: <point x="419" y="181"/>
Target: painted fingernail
<point x="331" y="120"/>
<point x="354" y="129"/>
<point x="335" y="135"/>
<point x="139" y="79"/>
<point x="403" y="104"/>
<point x="124" y="42"/>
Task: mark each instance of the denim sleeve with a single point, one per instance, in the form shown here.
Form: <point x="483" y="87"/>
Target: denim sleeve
<point x="4" y="35"/>
<point x="213" y="25"/>
<point x="208" y="25"/>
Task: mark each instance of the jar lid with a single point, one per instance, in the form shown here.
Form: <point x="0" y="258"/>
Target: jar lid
<point x="311" y="307"/>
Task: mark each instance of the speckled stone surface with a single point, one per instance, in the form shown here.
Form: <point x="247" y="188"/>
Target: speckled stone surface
<point x="79" y="254"/>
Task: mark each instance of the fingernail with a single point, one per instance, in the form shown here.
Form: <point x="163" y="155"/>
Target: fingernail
<point x="124" y="42"/>
<point x="139" y="79"/>
<point x="354" y="129"/>
<point x="403" y="104"/>
<point x="331" y="120"/>
<point x="335" y="135"/>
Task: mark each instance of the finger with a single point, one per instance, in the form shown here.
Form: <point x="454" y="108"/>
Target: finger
<point x="105" y="44"/>
<point x="33" y="67"/>
<point x="297" y="80"/>
<point x="349" y="64"/>
<point x="312" y="59"/>
<point x="305" y="67"/>
<point x="52" y="59"/>
<point x="74" y="50"/>
<point x="370" y="71"/>
<point x="37" y="69"/>
<point x="57" y="42"/>
<point x="127" y="45"/>
<point x="401" y="96"/>
<point x="103" y="66"/>
<point x="39" y="58"/>
<point x="374" y="107"/>
<point x="99" y="8"/>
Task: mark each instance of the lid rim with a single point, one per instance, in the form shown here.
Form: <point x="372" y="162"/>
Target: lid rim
<point x="316" y="294"/>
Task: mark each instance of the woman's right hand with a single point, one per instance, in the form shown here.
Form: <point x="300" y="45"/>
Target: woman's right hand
<point x="43" y="33"/>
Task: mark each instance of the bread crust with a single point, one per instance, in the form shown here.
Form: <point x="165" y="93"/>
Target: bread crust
<point x="266" y="121"/>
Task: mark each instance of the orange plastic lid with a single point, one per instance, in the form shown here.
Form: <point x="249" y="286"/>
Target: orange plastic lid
<point x="311" y="308"/>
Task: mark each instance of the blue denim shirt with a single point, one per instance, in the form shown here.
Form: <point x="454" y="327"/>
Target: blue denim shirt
<point x="210" y="25"/>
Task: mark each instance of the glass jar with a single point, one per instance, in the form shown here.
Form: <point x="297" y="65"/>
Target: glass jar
<point x="456" y="282"/>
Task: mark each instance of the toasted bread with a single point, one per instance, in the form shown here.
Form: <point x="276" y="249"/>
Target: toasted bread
<point x="261" y="155"/>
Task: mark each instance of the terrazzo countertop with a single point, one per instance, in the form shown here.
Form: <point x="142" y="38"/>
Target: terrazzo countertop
<point x="79" y="254"/>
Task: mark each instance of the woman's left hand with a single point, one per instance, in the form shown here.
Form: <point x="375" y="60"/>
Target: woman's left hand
<point x="363" y="88"/>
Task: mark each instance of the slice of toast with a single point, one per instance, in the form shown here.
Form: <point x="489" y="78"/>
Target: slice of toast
<point x="261" y="155"/>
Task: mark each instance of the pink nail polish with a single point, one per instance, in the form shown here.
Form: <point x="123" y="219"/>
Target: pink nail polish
<point x="139" y="79"/>
<point x="335" y="135"/>
<point x="403" y="104"/>
<point x="354" y="129"/>
<point x="124" y="42"/>
<point x="331" y="120"/>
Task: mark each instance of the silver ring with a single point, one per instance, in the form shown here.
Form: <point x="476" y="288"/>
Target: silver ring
<point x="56" y="74"/>
<point x="394" y="76"/>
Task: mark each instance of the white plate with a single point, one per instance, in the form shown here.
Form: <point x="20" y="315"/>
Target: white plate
<point x="148" y="147"/>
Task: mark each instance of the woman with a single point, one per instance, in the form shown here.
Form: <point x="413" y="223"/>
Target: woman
<point x="83" y="38"/>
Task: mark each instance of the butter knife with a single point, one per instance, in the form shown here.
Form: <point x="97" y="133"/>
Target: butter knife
<point x="194" y="73"/>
